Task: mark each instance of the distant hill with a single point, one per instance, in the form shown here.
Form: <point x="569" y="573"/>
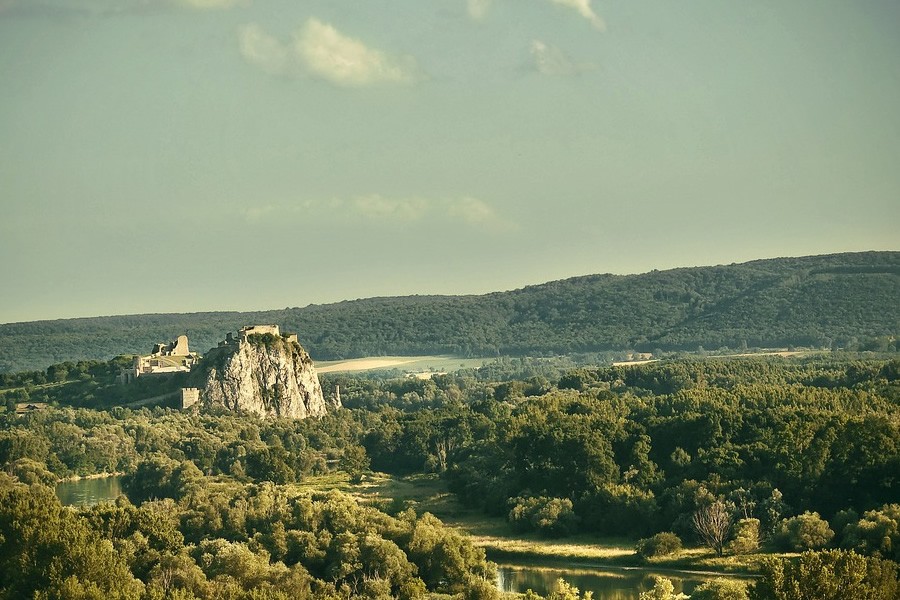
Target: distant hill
<point x="832" y="300"/>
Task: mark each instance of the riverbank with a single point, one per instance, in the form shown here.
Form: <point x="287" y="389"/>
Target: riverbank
<point x="72" y="478"/>
<point x="427" y="493"/>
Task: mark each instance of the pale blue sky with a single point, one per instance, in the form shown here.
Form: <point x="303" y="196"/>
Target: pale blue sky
<point x="188" y="155"/>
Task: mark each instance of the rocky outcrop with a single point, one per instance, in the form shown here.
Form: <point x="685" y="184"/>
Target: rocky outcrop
<point x="267" y="375"/>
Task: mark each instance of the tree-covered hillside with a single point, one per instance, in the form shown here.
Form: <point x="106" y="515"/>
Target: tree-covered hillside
<point x="840" y="300"/>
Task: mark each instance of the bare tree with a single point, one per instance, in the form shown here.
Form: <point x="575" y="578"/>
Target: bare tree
<point x="713" y="524"/>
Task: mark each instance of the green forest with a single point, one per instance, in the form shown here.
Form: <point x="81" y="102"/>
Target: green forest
<point x="845" y="301"/>
<point x="785" y="468"/>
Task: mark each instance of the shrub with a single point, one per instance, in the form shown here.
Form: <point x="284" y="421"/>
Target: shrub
<point x="877" y="533"/>
<point x="552" y="517"/>
<point x="661" y="544"/>
<point x="720" y="589"/>
<point x="746" y="537"/>
<point x="827" y="574"/>
<point x="808" y="531"/>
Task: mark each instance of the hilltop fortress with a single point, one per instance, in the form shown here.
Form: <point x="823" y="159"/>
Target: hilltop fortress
<point x="258" y="371"/>
<point x="261" y="372"/>
<point x="174" y="357"/>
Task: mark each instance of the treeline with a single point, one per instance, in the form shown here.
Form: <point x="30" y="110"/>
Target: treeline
<point x="837" y="301"/>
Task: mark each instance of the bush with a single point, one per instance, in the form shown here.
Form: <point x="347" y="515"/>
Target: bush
<point x="876" y="534"/>
<point x="661" y="544"/>
<point x="720" y="589"/>
<point x="827" y="574"/>
<point x="808" y="531"/>
<point x="552" y="517"/>
<point x="746" y="537"/>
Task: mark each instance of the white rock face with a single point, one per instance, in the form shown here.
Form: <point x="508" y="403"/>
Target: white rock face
<point x="264" y="375"/>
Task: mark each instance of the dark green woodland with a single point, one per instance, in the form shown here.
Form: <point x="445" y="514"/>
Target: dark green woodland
<point x="837" y="301"/>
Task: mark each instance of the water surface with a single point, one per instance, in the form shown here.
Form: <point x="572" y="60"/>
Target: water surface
<point x="87" y="492"/>
<point x="606" y="583"/>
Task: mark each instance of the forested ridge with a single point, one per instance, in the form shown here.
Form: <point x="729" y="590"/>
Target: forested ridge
<point x="840" y="300"/>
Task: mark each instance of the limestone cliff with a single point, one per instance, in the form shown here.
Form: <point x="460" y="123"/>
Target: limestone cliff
<point x="266" y="375"/>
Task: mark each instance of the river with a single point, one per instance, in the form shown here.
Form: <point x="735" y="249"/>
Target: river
<point x="89" y="491"/>
<point x="606" y="583"/>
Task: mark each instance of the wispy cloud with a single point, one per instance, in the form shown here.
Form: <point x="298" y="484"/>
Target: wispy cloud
<point x="66" y="9"/>
<point x="210" y="4"/>
<point x="262" y="50"/>
<point x="380" y="207"/>
<point x="550" y="60"/>
<point x="321" y="51"/>
<point x="376" y="208"/>
<point x="478" y="8"/>
<point x="472" y="210"/>
<point x="346" y="61"/>
<point x="583" y="7"/>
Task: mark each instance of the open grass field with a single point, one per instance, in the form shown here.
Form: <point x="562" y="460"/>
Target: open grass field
<point x="408" y="364"/>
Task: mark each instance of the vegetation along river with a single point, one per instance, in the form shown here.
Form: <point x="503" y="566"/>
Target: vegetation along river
<point x="606" y="583"/>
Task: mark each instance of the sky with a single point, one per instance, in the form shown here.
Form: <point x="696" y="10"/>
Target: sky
<point x="194" y="155"/>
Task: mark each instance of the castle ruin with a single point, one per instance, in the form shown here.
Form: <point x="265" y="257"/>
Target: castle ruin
<point x="174" y="357"/>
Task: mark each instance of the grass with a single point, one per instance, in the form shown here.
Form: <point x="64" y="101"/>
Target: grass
<point x="407" y="364"/>
<point x="427" y="493"/>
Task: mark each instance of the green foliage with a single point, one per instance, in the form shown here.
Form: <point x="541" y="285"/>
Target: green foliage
<point x="808" y="531"/>
<point x="237" y="541"/>
<point x="551" y="517"/>
<point x="876" y="534"/>
<point x="661" y="544"/>
<point x="663" y="589"/>
<point x="745" y="537"/>
<point x="47" y="551"/>
<point x="355" y="462"/>
<point x="566" y="591"/>
<point x="827" y="575"/>
<point x="720" y="589"/>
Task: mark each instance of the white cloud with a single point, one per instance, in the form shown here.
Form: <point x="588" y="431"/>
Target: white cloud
<point x="585" y="10"/>
<point x="345" y="61"/>
<point x="478" y="8"/>
<point x="210" y="4"/>
<point x="56" y="9"/>
<point x="550" y="60"/>
<point x="377" y="208"/>
<point x="471" y="210"/>
<point x="262" y="50"/>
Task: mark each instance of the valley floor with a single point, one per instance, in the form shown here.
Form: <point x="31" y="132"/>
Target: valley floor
<point x="427" y="493"/>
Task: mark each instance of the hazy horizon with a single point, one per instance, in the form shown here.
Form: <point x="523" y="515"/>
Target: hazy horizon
<point x="177" y="156"/>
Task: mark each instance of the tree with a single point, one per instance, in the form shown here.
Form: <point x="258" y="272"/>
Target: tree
<point x="713" y="524"/>
<point x="355" y="462"/>
<point x="877" y="533"/>
<point x="551" y="517"/>
<point x="746" y="537"/>
<point x="720" y="589"/>
<point x="663" y="589"/>
<point x="808" y="531"/>
<point x="566" y="591"/>
<point x="827" y="575"/>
